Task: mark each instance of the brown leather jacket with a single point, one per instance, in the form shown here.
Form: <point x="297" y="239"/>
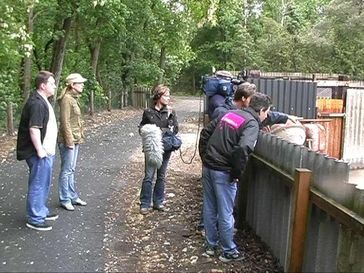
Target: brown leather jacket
<point x="71" y="129"/>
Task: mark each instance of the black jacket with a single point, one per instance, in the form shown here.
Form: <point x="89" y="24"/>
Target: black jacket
<point x="34" y="114"/>
<point x="227" y="141"/>
<point x="162" y="118"/>
<point x="273" y="117"/>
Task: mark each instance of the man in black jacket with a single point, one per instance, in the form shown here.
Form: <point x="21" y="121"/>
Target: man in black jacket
<point x="36" y="144"/>
<point x="224" y="148"/>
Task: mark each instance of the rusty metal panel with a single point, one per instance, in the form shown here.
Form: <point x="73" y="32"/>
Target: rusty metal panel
<point x="333" y="124"/>
<point x="353" y="148"/>
<point x="291" y="97"/>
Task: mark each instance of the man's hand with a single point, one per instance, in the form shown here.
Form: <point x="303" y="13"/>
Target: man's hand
<point x="37" y="143"/>
<point x="266" y="129"/>
<point x="41" y="153"/>
<point x="292" y="118"/>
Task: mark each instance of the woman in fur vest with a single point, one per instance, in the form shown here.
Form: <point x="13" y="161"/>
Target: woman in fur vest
<point x="157" y="119"/>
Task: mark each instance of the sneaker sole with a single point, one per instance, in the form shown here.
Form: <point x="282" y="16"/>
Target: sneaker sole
<point x="159" y="209"/>
<point x="38" y="228"/>
<point x="208" y="255"/>
<point x="62" y="206"/>
<point x="79" y="204"/>
<point x="54" y="218"/>
<point x="144" y="212"/>
<point x="226" y="260"/>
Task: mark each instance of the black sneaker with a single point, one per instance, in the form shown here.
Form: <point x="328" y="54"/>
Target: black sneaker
<point x="231" y="257"/>
<point x="40" y="227"/>
<point x="51" y="217"/>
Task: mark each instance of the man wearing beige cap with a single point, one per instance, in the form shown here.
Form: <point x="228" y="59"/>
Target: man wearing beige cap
<point x="71" y="135"/>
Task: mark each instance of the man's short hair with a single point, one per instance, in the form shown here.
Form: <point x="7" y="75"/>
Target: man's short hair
<point x="260" y="101"/>
<point x="245" y="90"/>
<point x="42" y="77"/>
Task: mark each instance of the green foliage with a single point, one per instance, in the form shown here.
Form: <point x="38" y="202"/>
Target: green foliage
<point x="177" y="41"/>
<point x="336" y="43"/>
<point x="14" y="44"/>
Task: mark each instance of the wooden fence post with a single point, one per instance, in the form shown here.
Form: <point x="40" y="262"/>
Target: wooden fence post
<point x="126" y="98"/>
<point x="121" y="100"/>
<point x="109" y="102"/>
<point x="301" y="196"/>
<point x="147" y="97"/>
<point x="10" y="118"/>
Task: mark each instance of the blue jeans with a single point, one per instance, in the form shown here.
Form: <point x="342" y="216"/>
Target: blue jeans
<point x="147" y="184"/>
<point x="39" y="184"/>
<point x="218" y="203"/>
<point x="66" y="182"/>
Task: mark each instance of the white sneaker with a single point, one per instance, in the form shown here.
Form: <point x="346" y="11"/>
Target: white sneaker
<point x="79" y="202"/>
<point x="68" y="206"/>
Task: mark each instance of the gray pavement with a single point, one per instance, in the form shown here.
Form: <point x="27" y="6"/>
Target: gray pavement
<point x="76" y="242"/>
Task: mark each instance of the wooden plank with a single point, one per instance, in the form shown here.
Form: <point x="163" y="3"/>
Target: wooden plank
<point x="286" y="178"/>
<point x="340" y="213"/>
<point x="301" y="197"/>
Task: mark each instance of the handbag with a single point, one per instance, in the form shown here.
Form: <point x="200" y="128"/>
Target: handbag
<point x="171" y="142"/>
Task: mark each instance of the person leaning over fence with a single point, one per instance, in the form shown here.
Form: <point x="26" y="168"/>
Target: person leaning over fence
<point x="71" y="135"/>
<point x="241" y="99"/>
<point x="36" y="144"/>
<point x="224" y="147"/>
<point x="157" y="120"/>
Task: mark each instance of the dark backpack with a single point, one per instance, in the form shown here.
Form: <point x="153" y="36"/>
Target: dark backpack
<point x="212" y="85"/>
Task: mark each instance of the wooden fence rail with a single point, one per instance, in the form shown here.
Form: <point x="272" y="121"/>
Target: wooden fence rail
<point x="307" y="214"/>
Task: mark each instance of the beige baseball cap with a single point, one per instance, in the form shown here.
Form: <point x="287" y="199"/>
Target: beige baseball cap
<point x="75" y="78"/>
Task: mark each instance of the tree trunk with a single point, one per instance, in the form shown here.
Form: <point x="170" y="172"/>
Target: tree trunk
<point x="95" y="52"/>
<point x="59" y="48"/>
<point x="193" y="83"/>
<point x="27" y="65"/>
<point x="162" y="64"/>
<point x="109" y="105"/>
<point x="10" y="118"/>
<point x="283" y="12"/>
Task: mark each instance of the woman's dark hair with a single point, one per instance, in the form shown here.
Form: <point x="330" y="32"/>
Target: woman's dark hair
<point x="158" y="91"/>
<point x="42" y="77"/>
<point x="260" y="101"/>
